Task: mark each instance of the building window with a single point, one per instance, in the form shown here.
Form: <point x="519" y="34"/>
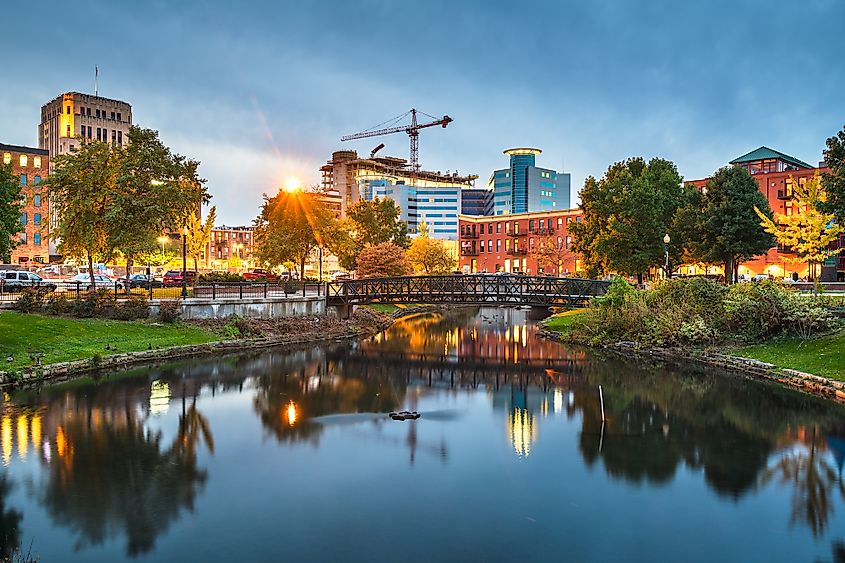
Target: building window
<point x="36" y="199"/>
<point x="99" y="134"/>
<point x="113" y="137"/>
<point x="498" y="228"/>
<point x="7" y="157"/>
<point x="490" y="245"/>
<point x="23" y="219"/>
<point x="36" y="239"/>
<point x="67" y="111"/>
<point x="98" y="113"/>
<point x="22" y="238"/>
<point x="118" y="116"/>
<point x="89" y="132"/>
<point x="36" y="218"/>
<point x="490" y="228"/>
<point x="88" y="112"/>
<point x="120" y="138"/>
<point x="498" y="245"/>
<point x="36" y="162"/>
<point x="23" y="179"/>
<point x="112" y="116"/>
<point x="23" y="160"/>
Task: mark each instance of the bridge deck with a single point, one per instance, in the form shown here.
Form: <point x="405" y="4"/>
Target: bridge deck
<point x="467" y="289"/>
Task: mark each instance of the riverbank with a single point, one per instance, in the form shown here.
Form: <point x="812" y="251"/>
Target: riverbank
<point x="94" y="345"/>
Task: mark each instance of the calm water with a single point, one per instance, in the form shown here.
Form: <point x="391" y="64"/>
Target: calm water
<point x="281" y="456"/>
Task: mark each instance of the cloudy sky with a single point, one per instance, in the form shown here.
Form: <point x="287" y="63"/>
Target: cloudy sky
<point x="262" y="90"/>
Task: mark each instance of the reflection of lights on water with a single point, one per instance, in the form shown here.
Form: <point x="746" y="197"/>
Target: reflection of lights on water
<point x="6" y="437"/>
<point x="35" y="428"/>
<point x="571" y="398"/>
<point x="60" y="441"/>
<point x="522" y="431"/>
<point x="558" y="401"/>
<point x="290" y="414"/>
<point x="23" y="436"/>
<point x="312" y="383"/>
<point x="159" y="397"/>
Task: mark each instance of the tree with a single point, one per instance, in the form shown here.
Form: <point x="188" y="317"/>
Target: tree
<point x="834" y="181"/>
<point x="10" y="211"/>
<point x="720" y="224"/>
<point x="807" y="231"/>
<point x="199" y="234"/>
<point x="291" y="225"/>
<point x="80" y="191"/>
<point x="155" y="190"/>
<point x="368" y="222"/>
<point x="550" y="253"/>
<point x="383" y="260"/>
<point x="430" y="256"/>
<point x="626" y="214"/>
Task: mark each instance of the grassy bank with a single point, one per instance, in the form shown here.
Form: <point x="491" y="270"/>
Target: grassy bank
<point x="824" y="356"/>
<point x="61" y="339"/>
<point x="562" y="321"/>
<point x="389" y="308"/>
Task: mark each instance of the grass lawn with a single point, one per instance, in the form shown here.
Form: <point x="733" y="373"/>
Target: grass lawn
<point x="822" y="356"/>
<point x="390" y="308"/>
<point x="562" y="321"/>
<point x="61" y="339"/>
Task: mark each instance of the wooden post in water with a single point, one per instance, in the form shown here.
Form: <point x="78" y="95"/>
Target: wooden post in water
<point x="601" y="398"/>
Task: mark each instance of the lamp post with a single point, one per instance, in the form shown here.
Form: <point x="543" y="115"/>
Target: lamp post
<point x="184" y="262"/>
<point x="666" y="241"/>
<point x="162" y="240"/>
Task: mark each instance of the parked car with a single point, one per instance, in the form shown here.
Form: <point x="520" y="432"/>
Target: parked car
<point x="83" y="281"/>
<point x="16" y="280"/>
<point x="260" y="274"/>
<point x="173" y="278"/>
<point x="142" y="281"/>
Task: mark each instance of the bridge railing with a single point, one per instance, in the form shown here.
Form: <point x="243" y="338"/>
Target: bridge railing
<point x="468" y="289"/>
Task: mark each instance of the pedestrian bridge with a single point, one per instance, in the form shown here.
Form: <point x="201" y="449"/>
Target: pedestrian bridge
<point x="474" y="289"/>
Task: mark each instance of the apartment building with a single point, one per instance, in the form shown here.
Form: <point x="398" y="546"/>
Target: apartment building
<point x="31" y="166"/>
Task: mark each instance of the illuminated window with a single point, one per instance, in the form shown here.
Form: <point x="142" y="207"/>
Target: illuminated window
<point x="7" y="158"/>
<point x="24" y="160"/>
<point x="36" y="162"/>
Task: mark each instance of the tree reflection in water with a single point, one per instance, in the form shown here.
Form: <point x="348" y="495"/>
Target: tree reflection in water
<point x="10" y="521"/>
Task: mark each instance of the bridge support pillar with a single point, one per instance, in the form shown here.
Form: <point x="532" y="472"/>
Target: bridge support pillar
<point x="342" y="311"/>
<point x="538" y="313"/>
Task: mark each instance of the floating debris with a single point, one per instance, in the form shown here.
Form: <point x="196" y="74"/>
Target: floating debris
<point x="404" y="415"/>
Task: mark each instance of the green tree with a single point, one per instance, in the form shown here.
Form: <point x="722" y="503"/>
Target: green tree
<point x="383" y="260"/>
<point x="720" y="223"/>
<point x="430" y="256"/>
<point x="807" y="231"/>
<point x="290" y="226"/>
<point x="368" y="222"/>
<point x="626" y="214"/>
<point x="199" y="234"/>
<point x="155" y="190"/>
<point x="10" y="211"/>
<point x="80" y="190"/>
<point x="550" y="253"/>
<point x="834" y="181"/>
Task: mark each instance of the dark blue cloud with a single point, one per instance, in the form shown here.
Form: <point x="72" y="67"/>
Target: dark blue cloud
<point x="262" y="90"/>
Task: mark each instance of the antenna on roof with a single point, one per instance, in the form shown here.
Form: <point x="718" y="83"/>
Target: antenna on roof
<point x="96" y="79"/>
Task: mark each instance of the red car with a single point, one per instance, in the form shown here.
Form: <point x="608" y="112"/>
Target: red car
<point x="259" y="274"/>
<point x="174" y="278"/>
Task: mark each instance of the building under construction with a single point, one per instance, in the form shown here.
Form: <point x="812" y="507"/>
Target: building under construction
<point x="433" y="197"/>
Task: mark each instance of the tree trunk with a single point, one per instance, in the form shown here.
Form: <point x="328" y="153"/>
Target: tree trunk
<point x="91" y="271"/>
<point x="728" y="267"/>
<point x="302" y="270"/>
<point x="640" y="278"/>
<point x="129" y="263"/>
<point x="196" y="269"/>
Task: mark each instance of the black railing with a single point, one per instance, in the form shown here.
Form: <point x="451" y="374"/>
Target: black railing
<point x="469" y="252"/>
<point x="469" y="234"/>
<point x="467" y="289"/>
<point x="784" y="194"/>
<point x="516" y="251"/>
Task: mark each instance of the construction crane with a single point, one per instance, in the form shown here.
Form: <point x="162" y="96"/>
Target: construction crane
<point x="412" y="129"/>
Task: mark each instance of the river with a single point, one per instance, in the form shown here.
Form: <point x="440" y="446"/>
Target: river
<point x="289" y="455"/>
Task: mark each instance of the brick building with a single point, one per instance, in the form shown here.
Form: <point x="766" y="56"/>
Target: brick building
<point x="230" y="247"/>
<point x="775" y="173"/>
<point x="31" y="166"/>
<point x="530" y="243"/>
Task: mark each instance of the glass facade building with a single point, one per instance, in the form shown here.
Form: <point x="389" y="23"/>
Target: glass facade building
<point x="477" y="201"/>
<point x="526" y="188"/>
<point x="437" y="205"/>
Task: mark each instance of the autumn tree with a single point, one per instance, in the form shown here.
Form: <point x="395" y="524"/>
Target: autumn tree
<point x="199" y="234"/>
<point x="626" y="214"/>
<point x="550" y="252"/>
<point x="155" y="191"/>
<point x="80" y="190"/>
<point x="291" y="225"/>
<point x="383" y="260"/>
<point x="720" y="224"/>
<point x="808" y="231"/>
<point x="833" y="182"/>
<point x="10" y="211"/>
<point x="429" y="255"/>
<point x="368" y="222"/>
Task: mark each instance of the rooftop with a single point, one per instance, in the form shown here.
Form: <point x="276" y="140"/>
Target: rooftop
<point x="19" y="148"/>
<point x="765" y="153"/>
<point x="522" y="150"/>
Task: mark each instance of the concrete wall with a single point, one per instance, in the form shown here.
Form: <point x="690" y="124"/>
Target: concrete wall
<point x="250" y="308"/>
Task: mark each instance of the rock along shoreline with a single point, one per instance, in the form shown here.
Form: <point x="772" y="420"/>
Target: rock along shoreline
<point x="755" y="369"/>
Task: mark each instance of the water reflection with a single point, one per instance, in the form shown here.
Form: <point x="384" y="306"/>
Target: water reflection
<point x="125" y="460"/>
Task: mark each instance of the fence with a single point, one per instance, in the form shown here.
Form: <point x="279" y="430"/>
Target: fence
<point x="229" y="290"/>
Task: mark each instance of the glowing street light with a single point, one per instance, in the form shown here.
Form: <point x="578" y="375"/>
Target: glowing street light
<point x="666" y="241"/>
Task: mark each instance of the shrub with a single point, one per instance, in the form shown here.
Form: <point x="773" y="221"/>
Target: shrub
<point x="169" y="311"/>
<point x="31" y="300"/>
<point x="58" y="304"/>
<point x="100" y="303"/>
<point x="131" y="309"/>
<point x="220" y="277"/>
<point x="757" y="310"/>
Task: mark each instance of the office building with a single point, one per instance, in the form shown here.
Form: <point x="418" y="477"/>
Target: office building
<point x="477" y="201"/>
<point x="72" y="115"/>
<point x="523" y="187"/>
<point x="31" y="166"/>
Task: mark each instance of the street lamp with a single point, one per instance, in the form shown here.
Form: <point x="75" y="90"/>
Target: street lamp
<point x="666" y="241"/>
<point x="184" y="262"/>
<point x="162" y="240"/>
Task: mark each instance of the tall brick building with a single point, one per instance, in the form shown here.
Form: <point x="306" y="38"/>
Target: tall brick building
<point x="30" y="166"/>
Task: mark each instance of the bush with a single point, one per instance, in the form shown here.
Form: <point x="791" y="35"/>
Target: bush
<point x="220" y="277"/>
<point x="169" y="311"/>
<point x="31" y="300"/>
<point x="100" y="303"/>
<point x="58" y="304"/>
<point x="131" y="309"/>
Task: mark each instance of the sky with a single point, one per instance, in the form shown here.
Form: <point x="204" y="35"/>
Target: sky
<point x="262" y="90"/>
